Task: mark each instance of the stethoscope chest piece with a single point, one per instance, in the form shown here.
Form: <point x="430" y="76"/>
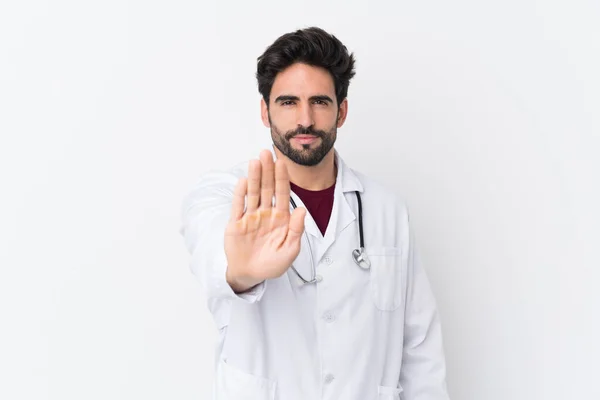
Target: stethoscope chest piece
<point x="361" y="259"/>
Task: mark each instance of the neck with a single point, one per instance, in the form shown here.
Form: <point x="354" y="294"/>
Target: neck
<point x="317" y="177"/>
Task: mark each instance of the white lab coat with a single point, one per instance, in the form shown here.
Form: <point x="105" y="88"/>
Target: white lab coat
<point x="356" y="335"/>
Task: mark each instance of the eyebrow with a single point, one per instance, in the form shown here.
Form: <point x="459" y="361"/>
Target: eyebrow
<point x="321" y="97"/>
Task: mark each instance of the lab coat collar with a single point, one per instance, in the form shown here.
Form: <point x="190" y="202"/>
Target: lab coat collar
<point x="348" y="179"/>
<point x="342" y="213"/>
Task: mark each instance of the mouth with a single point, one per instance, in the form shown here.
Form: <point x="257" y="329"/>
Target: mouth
<point x="305" y="139"/>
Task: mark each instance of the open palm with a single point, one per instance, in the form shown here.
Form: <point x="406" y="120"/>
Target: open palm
<point x="262" y="239"/>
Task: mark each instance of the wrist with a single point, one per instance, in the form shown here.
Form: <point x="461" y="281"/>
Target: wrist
<point x="239" y="284"/>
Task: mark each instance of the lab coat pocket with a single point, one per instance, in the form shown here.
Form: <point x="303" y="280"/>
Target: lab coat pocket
<point x="389" y="393"/>
<point x="235" y="384"/>
<point x="386" y="276"/>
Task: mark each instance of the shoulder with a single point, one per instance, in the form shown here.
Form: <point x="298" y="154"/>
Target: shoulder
<point x="382" y="195"/>
<point x="214" y="185"/>
<point x="387" y="211"/>
<point x="223" y="179"/>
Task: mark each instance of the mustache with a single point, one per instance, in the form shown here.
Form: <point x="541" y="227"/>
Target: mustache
<point x="305" y="131"/>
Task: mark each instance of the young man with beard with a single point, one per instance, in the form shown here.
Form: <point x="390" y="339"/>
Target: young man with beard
<point x="309" y="267"/>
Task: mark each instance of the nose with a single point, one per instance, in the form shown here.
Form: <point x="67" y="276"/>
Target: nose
<point x="304" y="116"/>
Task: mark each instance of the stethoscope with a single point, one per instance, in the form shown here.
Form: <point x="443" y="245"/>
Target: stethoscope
<point x="358" y="255"/>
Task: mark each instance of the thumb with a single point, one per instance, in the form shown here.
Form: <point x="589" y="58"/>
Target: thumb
<point x="296" y="225"/>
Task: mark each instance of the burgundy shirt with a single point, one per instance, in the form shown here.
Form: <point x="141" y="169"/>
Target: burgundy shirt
<point x="318" y="203"/>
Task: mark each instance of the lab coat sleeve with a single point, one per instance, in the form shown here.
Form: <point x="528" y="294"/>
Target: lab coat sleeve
<point x="204" y="216"/>
<point x="423" y="372"/>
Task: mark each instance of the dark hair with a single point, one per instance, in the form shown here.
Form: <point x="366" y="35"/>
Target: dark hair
<point x="312" y="46"/>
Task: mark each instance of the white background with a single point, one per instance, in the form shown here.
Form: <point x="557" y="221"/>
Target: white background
<point x="483" y="115"/>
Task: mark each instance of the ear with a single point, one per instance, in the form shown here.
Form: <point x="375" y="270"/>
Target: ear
<point x="264" y="113"/>
<point x="342" y="113"/>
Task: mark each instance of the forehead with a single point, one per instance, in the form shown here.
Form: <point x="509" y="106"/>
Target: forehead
<point x="303" y="80"/>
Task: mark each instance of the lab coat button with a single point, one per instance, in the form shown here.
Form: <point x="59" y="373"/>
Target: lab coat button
<point x="319" y="278"/>
<point x="328" y="317"/>
<point x="329" y="378"/>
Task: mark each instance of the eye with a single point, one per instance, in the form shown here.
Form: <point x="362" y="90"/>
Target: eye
<point x="287" y="103"/>
<point x="320" y="102"/>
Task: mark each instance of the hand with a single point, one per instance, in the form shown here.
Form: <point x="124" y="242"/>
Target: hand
<point x="262" y="241"/>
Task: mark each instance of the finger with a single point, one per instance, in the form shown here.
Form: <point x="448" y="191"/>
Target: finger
<point x="296" y="226"/>
<point x="239" y="199"/>
<point x="282" y="187"/>
<point x="253" y="185"/>
<point x="267" y="183"/>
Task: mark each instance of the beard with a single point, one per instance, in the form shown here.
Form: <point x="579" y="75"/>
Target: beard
<point x="306" y="156"/>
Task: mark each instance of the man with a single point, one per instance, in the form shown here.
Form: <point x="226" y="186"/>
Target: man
<point x="300" y="314"/>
